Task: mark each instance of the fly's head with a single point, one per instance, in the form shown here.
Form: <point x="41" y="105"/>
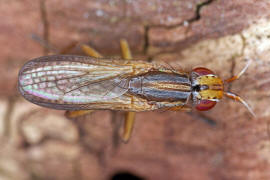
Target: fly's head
<point x="207" y="88"/>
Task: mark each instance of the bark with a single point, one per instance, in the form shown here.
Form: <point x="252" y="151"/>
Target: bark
<point x="224" y="143"/>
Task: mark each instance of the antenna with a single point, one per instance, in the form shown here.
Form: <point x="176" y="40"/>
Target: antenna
<point x="236" y="97"/>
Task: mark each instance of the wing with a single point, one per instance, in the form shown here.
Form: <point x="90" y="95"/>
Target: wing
<point x="72" y="82"/>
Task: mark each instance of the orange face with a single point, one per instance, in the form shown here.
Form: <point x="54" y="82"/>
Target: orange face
<point x="211" y="87"/>
<point x="207" y="88"/>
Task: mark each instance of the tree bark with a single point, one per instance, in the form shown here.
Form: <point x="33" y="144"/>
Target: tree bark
<point x="224" y="143"/>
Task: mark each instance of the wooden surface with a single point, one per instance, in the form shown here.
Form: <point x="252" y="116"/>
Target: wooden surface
<point x="39" y="143"/>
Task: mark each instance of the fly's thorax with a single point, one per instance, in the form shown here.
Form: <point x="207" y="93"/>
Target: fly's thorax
<point x="161" y="86"/>
<point x="207" y="88"/>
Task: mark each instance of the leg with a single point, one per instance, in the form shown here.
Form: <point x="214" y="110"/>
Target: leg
<point x="91" y="52"/>
<point x="130" y="116"/>
<point x="126" y="54"/>
<point x="128" y="126"/>
<point x="74" y="114"/>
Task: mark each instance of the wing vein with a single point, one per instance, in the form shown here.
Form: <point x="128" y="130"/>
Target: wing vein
<point x="57" y="79"/>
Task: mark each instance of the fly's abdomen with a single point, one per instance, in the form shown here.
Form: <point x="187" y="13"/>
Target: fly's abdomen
<point x="161" y="86"/>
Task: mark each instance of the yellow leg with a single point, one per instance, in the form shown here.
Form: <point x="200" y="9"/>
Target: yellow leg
<point x="90" y="52"/>
<point x="125" y="49"/>
<point x="128" y="126"/>
<point x="130" y="116"/>
<point x="74" y="114"/>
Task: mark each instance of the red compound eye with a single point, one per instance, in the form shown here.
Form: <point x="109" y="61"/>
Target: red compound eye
<point x="205" y="105"/>
<point x="202" y="71"/>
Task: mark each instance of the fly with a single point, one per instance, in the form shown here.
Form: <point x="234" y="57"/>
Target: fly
<point x="71" y="82"/>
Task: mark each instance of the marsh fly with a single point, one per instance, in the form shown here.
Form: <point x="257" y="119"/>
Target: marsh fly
<point x="70" y="82"/>
<point x="80" y="84"/>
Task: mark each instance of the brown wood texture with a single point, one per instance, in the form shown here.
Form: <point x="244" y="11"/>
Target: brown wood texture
<point x="39" y="143"/>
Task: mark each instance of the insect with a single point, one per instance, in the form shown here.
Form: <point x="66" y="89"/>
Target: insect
<point x="82" y="83"/>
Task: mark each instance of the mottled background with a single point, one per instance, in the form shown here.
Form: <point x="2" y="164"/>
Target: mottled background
<point x="224" y="143"/>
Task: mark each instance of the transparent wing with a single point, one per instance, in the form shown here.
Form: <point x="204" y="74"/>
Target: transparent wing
<point x="72" y="80"/>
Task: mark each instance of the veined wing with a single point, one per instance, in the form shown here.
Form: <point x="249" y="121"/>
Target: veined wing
<point x="63" y="80"/>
